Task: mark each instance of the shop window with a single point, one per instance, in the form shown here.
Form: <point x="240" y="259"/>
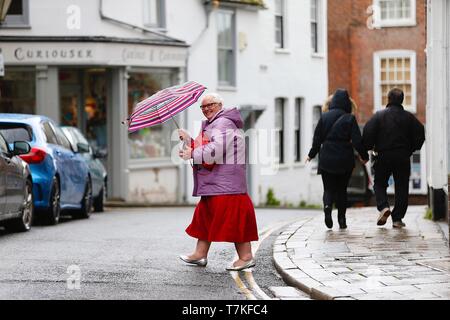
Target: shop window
<point x="153" y="142"/>
<point x="18" y="14"/>
<point x="83" y="101"/>
<point x="18" y="91"/>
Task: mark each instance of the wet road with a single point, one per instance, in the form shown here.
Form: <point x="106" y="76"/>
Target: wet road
<point x="128" y="254"/>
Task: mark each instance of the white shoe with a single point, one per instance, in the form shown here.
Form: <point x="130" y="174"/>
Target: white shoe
<point x="200" y="262"/>
<point x="248" y="265"/>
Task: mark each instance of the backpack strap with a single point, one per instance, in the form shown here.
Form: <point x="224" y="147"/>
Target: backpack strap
<point x="333" y="126"/>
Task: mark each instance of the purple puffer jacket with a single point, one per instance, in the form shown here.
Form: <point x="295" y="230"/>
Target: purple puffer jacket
<point x="226" y="148"/>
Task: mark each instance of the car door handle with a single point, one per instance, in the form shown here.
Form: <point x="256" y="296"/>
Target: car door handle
<point x="58" y="153"/>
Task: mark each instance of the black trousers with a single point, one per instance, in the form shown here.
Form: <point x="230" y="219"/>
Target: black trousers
<point x="335" y="190"/>
<point x="401" y="170"/>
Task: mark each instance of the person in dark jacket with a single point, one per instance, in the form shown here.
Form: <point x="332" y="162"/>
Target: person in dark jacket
<point x="335" y="136"/>
<point x="393" y="134"/>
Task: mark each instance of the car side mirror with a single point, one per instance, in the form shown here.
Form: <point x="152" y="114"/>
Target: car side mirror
<point x="21" y="147"/>
<point x="98" y="154"/>
<point x="82" y="147"/>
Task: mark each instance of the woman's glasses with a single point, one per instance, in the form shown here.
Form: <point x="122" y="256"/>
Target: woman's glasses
<point x="209" y="105"/>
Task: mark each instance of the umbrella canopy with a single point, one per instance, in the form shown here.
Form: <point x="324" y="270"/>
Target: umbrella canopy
<point x="163" y="105"/>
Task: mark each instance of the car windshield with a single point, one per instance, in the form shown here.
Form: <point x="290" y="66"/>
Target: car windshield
<point x="15" y="132"/>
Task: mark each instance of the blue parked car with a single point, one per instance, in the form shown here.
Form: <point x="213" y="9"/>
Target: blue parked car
<point x="61" y="178"/>
<point x="92" y="157"/>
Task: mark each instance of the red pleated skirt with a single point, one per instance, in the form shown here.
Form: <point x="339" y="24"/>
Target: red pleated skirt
<point x="224" y="218"/>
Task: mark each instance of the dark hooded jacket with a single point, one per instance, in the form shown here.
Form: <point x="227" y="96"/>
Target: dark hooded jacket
<point x="335" y="136"/>
<point x="394" y="133"/>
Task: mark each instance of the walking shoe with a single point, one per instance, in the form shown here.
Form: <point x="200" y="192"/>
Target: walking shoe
<point x="328" y="217"/>
<point x="398" y="224"/>
<point x="342" y="221"/>
<point x="249" y="264"/>
<point x="384" y="215"/>
<point x="200" y="262"/>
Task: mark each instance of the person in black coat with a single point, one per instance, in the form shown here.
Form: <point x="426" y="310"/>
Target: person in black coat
<point x="393" y="134"/>
<point x="335" y="136"/>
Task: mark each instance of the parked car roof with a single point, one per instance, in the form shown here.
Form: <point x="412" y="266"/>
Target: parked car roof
<point x="22" y="117"/>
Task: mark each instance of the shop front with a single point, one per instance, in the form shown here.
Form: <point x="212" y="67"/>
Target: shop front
<point x="94" y="85"/>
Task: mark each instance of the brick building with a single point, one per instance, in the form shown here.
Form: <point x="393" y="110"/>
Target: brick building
<point x="373" y="46"/>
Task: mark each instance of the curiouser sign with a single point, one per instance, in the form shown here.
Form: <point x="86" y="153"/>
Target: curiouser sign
<point x="93" y="54"/>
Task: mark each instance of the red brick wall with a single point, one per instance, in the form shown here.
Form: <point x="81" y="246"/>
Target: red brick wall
<point x="351" y="45"/>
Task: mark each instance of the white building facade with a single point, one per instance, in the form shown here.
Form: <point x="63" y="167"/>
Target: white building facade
<point x="267" y="58"/>
<point x="271" y="63"/>
<point x="438" y="105"/>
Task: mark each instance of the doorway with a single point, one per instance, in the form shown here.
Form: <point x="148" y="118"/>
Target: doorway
<point x="83" y="104"/>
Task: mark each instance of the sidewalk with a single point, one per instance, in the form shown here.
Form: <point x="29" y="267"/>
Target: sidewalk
<point x="365" y="262"/>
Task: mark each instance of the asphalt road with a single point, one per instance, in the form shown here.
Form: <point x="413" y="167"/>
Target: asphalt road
<point x="128" y="254"/>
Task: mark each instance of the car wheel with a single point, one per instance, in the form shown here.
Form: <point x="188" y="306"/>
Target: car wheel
<point x="86" y="202"/>
<point x="100" y="200"/>
<point x="23" y="223"/>
<point x="54" y="210"/>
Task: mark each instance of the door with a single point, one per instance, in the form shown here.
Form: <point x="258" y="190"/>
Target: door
<point x="3" y="166"/>
<point x="15" y="185"/>
<point x="13" y="180"/>
<point x="74" y="166"/>
<point x="83" y="101"/>
<point x="57" y="154"/>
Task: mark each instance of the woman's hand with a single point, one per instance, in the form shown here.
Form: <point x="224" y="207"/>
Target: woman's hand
<point x="308" y="159"/>
<point x="362" y="160"/>
<point x="184" y="135"/>
<point x="186" y="153"/>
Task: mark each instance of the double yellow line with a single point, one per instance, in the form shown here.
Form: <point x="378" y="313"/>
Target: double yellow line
<point x="253" y="290"/>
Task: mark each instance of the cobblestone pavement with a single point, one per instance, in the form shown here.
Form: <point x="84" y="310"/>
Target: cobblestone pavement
<point x="365" y="262"/>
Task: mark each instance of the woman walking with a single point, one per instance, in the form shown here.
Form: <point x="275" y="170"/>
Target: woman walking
<point x="225" y="212"/>
<point x="335" y="136"/>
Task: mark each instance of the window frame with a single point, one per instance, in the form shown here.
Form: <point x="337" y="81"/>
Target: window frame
<point x="282" y="15"/>
<point x="160" y="14"/>
<point x="315" y="20"/>
<point x="387" y="54"/>
<point x="231" y="83"/>
<point x="387" y="23"/>
<point x="16" y="21"/>
<point x="43" y="123"/>
<point x="298" y="145"/>
<point x="315" y="161"/>
<point x="280" y="132"/>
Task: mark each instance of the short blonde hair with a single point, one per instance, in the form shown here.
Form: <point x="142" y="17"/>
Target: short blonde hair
<point x="326" y="105"/>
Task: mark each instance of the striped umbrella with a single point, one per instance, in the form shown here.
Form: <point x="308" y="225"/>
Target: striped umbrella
<point x="163" y="105"/>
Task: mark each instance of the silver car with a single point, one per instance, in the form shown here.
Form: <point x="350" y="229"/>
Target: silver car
<point x="16" y="187"/>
